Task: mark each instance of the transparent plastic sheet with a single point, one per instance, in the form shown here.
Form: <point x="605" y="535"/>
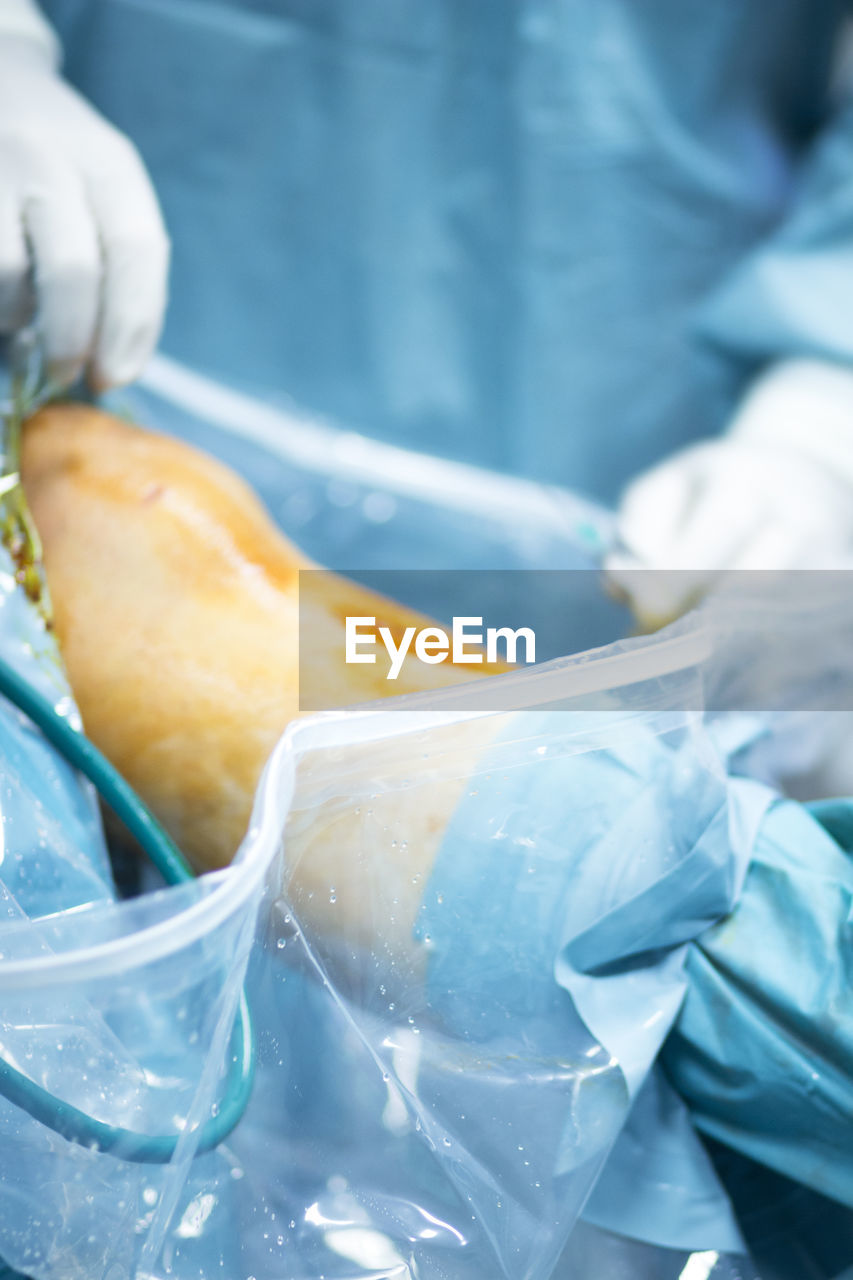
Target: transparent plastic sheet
<point x="596" y="1253"/>
<point x="52" y="856"/>
<point x="430" y="1101"/>
<point x="132" y="1027"/>
<point x="519" y="1141"/>
<point x="135" y="1054"/>
<point x="354" y="503"/>
<point x="422" y="1107"/>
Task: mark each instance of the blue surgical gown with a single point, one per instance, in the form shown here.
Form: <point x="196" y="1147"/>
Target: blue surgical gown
<point x="549" y="236"/>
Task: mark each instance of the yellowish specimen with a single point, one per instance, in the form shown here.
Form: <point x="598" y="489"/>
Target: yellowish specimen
<point x="175" y="602"/>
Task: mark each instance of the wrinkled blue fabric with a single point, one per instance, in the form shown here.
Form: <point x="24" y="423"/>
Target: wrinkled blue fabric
<point x="550" y="237"/>
<point x="685" y="915"/>
<point x="763" y="1048"/>
<point x="659" y="1184"/>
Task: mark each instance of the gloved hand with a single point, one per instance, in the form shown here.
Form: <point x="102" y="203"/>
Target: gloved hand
<point x="775" y="493"/>
<point x="81" y="234"/>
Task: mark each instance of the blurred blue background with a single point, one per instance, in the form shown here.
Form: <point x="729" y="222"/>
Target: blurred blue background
<point x="547" y="236"/>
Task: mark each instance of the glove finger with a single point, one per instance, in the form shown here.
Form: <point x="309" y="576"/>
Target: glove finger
<point x="67" y="264"/>
<point x="16" y="292"/>
<point x="136" y="266"/>
<point x="654" y="506"/>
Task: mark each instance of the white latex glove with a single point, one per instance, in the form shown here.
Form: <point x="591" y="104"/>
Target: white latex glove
<point x="81" y="234"/>
<point x="774" y="493"/>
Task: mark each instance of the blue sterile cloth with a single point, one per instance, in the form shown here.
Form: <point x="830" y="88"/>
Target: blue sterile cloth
<point x="603" y="876"/>
<point x="763" y="1047"/>
<point x="544" y="236"/>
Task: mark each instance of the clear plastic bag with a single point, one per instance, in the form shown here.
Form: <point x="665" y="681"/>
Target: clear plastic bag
<point x="124" y="1011"/>
<point x="419" y="1108"/>
<point x="113" y="1024"/>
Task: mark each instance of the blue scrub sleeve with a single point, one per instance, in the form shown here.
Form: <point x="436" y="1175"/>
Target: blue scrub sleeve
<point x="791" y="295"/>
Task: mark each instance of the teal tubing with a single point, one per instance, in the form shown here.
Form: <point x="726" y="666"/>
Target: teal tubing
<point x="71" y="1123"/>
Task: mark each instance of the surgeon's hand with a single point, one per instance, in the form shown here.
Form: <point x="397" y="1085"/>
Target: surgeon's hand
<point x="775" y="493"/>
<point x="81" y="236"/>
